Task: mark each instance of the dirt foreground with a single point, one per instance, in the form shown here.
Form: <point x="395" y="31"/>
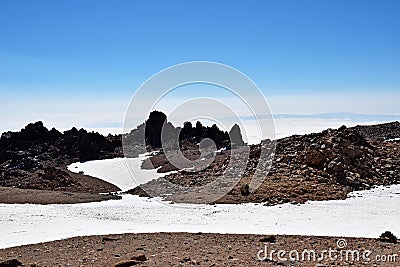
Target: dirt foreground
<point x="91" y="189"/>
<point x="185" y="249"/>
<point x="9" y="195"/>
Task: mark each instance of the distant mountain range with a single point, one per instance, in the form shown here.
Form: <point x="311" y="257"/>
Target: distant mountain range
<point x="327" y="116"/>
<point x="338" y="115"/>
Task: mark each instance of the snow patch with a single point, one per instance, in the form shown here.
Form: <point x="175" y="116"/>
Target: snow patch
<point x="364" y="214"/>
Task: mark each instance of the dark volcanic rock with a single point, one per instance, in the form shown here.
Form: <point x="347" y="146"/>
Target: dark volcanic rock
<point x="140" y="257"/>
<point x="154" y="127"/>
<point x="314" y="158"/>
<point x="127" y="263"/>
<point x="245" y="190"/>
<point x="388" y="237"/>
<point x="380" y="131"/>
<point x="236" y="136"/>
<point x="88" y="146"/>
<point x="11" y="263"/>
<point x="25" y="156"/>
<point x="157" y="129"/>
<point x="268" y="239"/>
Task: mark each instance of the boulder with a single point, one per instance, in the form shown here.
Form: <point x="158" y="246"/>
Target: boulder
<point x="29" y="164"/>
<point x="314" y="158"/>
<point x="127" y="263"/>
<point x="388" y="237"/>
<point x="236" y="136"/>
<point x="11" y="263"/>
<point x="268" y="239"/>
<point x="140" y="257"/>
<point x="153" y="128"/>
<point x="335" y="167"/>
<point x="245" y="190"/>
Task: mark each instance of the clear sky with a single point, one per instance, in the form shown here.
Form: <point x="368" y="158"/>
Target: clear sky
<point x="70" y="61"/>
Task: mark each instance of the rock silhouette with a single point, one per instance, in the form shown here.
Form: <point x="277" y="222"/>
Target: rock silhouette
<point x="157" y="129"/>
<point x="236" y="136"/>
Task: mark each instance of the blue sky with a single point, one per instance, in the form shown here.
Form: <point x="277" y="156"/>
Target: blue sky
<point x="52" y="52"/>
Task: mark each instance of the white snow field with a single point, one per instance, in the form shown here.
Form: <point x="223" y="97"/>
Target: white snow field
<point x="364" y="214"/>
<point x="115" y="171"/>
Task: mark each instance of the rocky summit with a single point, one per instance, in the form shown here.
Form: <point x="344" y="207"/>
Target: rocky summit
<point x="318" y="166"/>
<point x="151" y="134"/>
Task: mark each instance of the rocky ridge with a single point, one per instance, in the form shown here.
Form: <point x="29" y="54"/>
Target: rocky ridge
<point x="318" y="166"/>
<point x="36" y="158"/>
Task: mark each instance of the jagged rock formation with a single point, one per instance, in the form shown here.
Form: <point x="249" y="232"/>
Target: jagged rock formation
<point x="153" y="127"/>
<point x="156" y="129"/>
<point x="236" y="136"/>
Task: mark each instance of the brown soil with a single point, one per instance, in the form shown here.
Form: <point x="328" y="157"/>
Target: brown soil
<point x="88" y="191"/>
<point x="185" y="249"/>
<point x="11" y="195"/>
<point x="91" y="184"/>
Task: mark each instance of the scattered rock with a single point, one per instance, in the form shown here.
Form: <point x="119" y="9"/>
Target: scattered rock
<point x="11" y="263"/>
<point x="245" y="190"/>
<point x="388" y="237"/>
<point x="127" y="263"/>
<point x="314" y="158"/>
<point x="188" y="260"/>
<point x="108" y="239"/>
<point x="140" y="257"/>
<point x="268" y="239"/>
